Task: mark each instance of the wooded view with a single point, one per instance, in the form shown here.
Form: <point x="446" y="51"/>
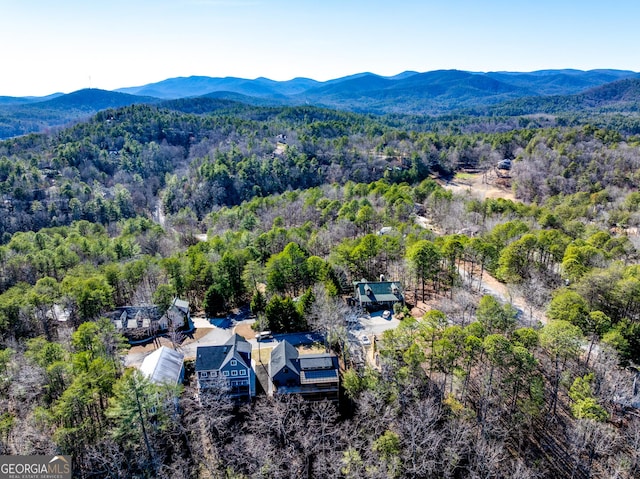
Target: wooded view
<point x="514" y="239"/>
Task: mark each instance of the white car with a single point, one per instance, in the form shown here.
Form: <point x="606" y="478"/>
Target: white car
<point x="365" y="340"/>
<point x="386" y="314"/>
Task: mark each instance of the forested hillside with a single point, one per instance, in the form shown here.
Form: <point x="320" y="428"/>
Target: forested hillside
<point x="440" y="93"/>
<point x="293" y="200"/>
<point x="20" y="116"/>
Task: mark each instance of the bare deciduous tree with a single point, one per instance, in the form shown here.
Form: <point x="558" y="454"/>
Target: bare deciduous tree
<point x="590" y="441"/>
<point x="330" y="316"/>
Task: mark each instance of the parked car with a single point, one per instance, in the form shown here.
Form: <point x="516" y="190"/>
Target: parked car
<point x="386" y="314"/>
<point x="264" y="335"/>
<point x="365" y="340"/>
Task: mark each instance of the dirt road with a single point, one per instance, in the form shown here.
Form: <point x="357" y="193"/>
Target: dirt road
<point x="528" y="315"/>
<point x="483" y="187"/>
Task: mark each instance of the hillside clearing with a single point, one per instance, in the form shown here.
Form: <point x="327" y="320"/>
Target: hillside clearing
<point x="479" y="185"/>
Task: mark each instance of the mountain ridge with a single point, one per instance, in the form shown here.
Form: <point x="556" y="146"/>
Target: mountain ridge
<point x="430" y="93"/>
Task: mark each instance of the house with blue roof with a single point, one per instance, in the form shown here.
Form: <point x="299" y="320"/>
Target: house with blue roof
<point x="228" y="367"/>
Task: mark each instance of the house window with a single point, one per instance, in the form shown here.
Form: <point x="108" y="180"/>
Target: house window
<point x="226" y="373"/>
<point x="234" y="373"/>
<point x="243" y="372"/>
<point x="233" y="362"/>
<point x="203" y="374"/>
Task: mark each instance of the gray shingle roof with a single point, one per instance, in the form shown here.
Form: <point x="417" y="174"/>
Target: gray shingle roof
<point x="284" y="354"/>
<point x="210" y="357"/>
<point x="181" y="304"/>
<point x="214" y="357"/>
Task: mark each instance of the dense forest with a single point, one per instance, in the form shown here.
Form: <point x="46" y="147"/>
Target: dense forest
<point x="111" y="212"/>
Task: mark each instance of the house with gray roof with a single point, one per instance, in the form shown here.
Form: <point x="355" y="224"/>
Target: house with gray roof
<point x="228" y="366"/>
<point x="177" y="316"/>
<point x="314" y="376"/>
<point x="164" y="366"/>
<point x="140" y="323"/>
<point x="374" y="295"/>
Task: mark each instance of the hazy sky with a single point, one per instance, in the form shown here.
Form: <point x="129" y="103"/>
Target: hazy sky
<point x="65" y="45"/>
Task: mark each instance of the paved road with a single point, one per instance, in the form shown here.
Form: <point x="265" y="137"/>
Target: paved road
<point x="493" y="287"/>
<point x="374" y="324"/>
<point x="213" y="337"/>
<point x="367" y="325"/>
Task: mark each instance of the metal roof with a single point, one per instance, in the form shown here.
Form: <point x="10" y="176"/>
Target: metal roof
<point x="316" y="361"/>
<point x="379" y="291"/>
<point x="311" y="368"/>
<point x="319" y="376"/>
<point x="164" y="365"/>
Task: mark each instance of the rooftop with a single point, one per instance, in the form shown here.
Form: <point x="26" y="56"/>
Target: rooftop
<point x="379" y="291"/>
<point x="214" y="357"/>
<point x="164" y="365"/>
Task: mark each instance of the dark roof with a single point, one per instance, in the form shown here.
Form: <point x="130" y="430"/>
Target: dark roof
<point x="284" y="354"/>
<point x="379" y="291"/>
<point x="316" y="361"/>
<point x="319" y="376"/>
<point x="152" y="312"/>
<point x="504" y="164"/>
<point x="239" y="343"/>
<point x="241" y="348"/>
<point x="210" y="357"/>
<point x="214" y="357"/>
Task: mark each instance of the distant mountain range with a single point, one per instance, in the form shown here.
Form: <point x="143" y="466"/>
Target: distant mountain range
<point x="430" y="93"/>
